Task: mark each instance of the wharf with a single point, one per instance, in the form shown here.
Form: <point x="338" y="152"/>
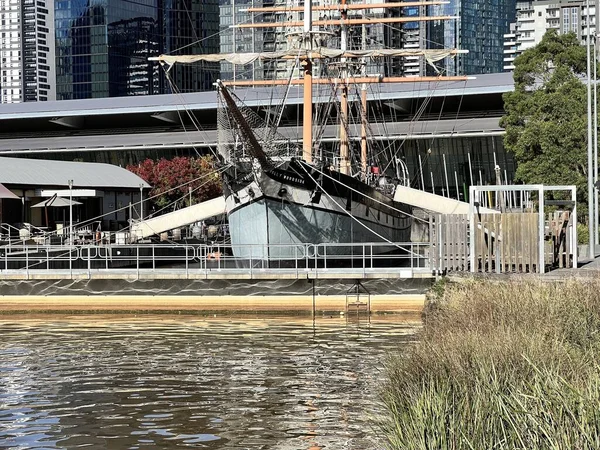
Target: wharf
<point x="171" y="292"/>
<point x="218" y="274"/>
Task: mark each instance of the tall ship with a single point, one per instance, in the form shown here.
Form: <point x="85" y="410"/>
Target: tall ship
<point x="280" y="194"/>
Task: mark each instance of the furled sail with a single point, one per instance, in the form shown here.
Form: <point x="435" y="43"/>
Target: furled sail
<point x="430" y="55"/>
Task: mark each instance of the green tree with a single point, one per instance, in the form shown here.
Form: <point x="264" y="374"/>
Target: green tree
<point x="546" y="114"/>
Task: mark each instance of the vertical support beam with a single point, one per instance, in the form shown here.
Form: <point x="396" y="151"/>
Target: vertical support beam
<point x="364" y="115"/>
<point x="421" y="172"/>
<point x="595" y="62"/>
<point x="574" y="233"/>
<point x="141" y="202"/>
<point x="344" y="150"/>
<point x="472" y="196"/>
<point x="470" y="169"/>
<point x="71" y="212"/>
<point x="446" y="176"/>
<point x="308" y="99"/>
<point x="344" y="147"/>
<point x="590" y="138"/>
<point x="541" y="219"/>
<point x="307" y="115"/>
<point x="363" y="131"/>
<point x="71" y="236"/>
<point x="456" y="183"/>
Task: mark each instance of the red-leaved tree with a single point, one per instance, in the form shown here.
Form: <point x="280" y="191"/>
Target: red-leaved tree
<point x="171" y="178"/>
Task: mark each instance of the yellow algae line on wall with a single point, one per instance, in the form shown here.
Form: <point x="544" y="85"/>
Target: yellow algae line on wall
<point x="274" y="303"/>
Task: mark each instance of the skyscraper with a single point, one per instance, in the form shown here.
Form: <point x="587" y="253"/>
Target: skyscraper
<point x="102" y="46"/>
<point x="26" y="51"/>
<point x="480" y="29"/>
<point x="535" y="17"/>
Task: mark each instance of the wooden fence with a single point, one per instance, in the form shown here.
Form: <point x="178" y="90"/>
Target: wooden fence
<point x="507" y="242"/>
<point x="449" y="234"/>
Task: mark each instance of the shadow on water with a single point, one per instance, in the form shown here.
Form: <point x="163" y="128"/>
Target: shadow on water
<point x="170" y="381"/>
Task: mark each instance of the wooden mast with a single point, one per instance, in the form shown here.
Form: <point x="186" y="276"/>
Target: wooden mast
<point x="344" y="147"/>
<point x="308" y="100"/>
<point x="363" y="112"/>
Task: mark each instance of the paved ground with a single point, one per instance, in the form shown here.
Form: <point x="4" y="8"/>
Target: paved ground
<point x="587" y="269"/>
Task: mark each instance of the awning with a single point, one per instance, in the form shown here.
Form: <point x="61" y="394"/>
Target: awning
<point x="7" y="194"/>
<point x="56" y="202"/>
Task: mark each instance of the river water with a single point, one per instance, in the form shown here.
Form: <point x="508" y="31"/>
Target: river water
<point x="187" y="381"/>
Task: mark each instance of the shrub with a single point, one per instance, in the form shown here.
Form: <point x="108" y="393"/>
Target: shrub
<point x="509" y="365"/>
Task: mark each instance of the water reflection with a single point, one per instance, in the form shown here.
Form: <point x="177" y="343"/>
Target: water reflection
<point x="170" y="381"/>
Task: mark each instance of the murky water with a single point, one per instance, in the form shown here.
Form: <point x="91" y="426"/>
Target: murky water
<point x="166" y="381"/>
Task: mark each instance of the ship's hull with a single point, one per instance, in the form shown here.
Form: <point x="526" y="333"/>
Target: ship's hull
<point x="275" y="214"/>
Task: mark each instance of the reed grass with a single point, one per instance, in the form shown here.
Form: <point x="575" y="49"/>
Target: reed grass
<point x="500" y="365"/>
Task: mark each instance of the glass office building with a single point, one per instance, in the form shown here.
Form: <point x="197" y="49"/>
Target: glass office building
<point x="102" y="46"/>
<point x="479" y="29"/>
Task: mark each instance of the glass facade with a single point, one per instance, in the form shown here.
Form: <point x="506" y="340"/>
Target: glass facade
<point x="239" y="40"/>
<point x="102" y="46"/>
<point x="479" y="30"/>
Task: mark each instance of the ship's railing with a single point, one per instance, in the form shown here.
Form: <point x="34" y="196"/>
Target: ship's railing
<point x="227" y="258"/>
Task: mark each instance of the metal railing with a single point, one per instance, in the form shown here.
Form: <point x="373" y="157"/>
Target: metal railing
<point x="195" y="259"/>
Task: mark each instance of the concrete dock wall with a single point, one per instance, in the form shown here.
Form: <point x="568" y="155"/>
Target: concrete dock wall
<point x="387" y="295"/>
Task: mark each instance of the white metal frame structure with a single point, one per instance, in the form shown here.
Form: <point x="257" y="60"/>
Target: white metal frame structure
<point x="474" y="194"/>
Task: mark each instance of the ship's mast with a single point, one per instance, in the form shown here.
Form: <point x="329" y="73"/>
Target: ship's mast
<point x="363" y="109"/>
<point x="344" y="151"/>
<point x="308" y="100"/>
<point x="308" y="53"/>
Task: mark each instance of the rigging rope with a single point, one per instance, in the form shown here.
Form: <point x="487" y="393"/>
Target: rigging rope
<point x="395" y="244"/>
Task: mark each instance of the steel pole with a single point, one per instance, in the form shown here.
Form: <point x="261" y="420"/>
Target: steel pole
<point x="141" y="202"/>
<point x="590" y="164"/>
<point x="71" y="212"/>
<point x="595" y="136"/>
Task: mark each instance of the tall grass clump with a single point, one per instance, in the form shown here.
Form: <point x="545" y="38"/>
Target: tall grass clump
<point x="500" y="365"/>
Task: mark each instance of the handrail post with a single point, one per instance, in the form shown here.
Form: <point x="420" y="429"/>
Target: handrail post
<point x="364" y="264"/>
<point x="137" y="259"/>
<point x="541" y="225"/>
<point x="187" y="264"/>
<point x="89" y="264"/>
<point x="306" y="256"/>
<point x="153" y="258"/>
<point x="205" y="261"/>
<point x="26" y="263"/>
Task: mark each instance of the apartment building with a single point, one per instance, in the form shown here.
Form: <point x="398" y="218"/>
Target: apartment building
<point x="535" y="17"/>
<point x="27" y="70"/>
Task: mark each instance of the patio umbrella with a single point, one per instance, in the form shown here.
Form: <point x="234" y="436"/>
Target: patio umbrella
<point x="7" y="194"/>
<point x="55" y="202"/>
